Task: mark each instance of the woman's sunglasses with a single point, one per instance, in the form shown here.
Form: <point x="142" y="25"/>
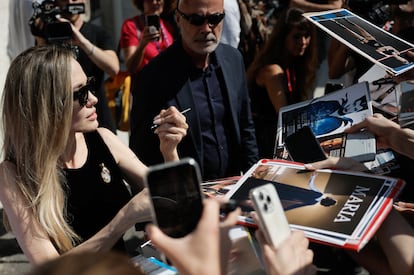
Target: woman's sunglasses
<point x="198" y="20"/>
<point x="83" y="93"/>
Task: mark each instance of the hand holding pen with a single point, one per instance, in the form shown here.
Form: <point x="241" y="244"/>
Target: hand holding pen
<point x="171" y="127"/>
<point x="157" y="120"/>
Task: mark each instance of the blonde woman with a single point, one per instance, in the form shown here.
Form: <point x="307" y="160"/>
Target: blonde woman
<point x="61" y="183"/>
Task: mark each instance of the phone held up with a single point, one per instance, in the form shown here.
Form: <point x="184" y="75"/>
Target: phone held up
<point x="153" y="22"/>
<point x="272" y="219"/>
<point x="303" y="146"/>
<point x="177" y="201"/>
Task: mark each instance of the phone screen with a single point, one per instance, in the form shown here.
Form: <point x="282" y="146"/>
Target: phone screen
<point x="176" y="196"/>
<point x="153" y="20"/>
<point x="303" y="146"/>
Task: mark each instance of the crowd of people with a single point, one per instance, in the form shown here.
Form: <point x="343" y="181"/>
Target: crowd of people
<point x="70" y="188"/>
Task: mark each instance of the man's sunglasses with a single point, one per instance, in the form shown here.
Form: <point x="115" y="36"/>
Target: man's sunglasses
<point x="198" y="20"/>
<point x="83" y="93"/>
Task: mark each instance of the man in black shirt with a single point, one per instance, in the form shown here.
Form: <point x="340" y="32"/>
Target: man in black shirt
<point x="198" y="72"/>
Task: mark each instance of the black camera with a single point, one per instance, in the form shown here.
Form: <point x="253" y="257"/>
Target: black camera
<point x="377" y="12"/>
<point x="53" y="30"/>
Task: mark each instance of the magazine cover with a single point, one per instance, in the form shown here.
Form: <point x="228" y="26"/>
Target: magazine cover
<point x="328" y="116"/>
<point x="330" y="206"/>
<point x="370" y="41"/>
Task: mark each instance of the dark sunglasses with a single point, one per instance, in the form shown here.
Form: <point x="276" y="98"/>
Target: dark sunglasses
<point x="83" y="93"/>
<point x="198" y="20"/>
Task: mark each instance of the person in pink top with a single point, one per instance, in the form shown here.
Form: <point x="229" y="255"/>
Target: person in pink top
<point x="139" y="42"/>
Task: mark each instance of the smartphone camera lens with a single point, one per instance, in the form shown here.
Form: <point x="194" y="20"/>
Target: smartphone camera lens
<point x="268" y="199"/>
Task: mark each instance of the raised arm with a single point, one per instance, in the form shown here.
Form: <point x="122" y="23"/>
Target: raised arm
<point x="388" y="134"/>
<point x="106" y="60"/>
<point x="135" y="54"/>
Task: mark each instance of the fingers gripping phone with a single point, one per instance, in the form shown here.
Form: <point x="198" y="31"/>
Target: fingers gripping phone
<point x="303" y="146"/>
<point x="271" y="215"/>
<point x="153" y="21"/>
<point x="176" y="196"/>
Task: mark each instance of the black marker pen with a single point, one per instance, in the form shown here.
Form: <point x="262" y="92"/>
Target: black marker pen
<point x="385" y="80"/>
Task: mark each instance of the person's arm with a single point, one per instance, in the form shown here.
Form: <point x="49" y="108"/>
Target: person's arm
<point x="396" y="238"/>
<point x="133" y="42"/>
<point x="339" y="163"/>
<point x="272" y="77"/>
<point x="408" y="7"/>
<point x="135" y="54"/>
<point x="172" y="128"/>
<point x="309" y="6"/>
<point x="132" y="168"/>
<point x="408" y="75"/>
<point x="106" y="60"/>
<point x="33" y="238"/>
<point x="199" y="252"/>
<point x="388" y="134"/>
<point x="133" y="57"/>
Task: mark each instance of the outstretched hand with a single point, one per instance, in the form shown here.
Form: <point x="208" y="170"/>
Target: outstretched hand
<point x="409" y="75"/>
<point x="200" y="251"/>
<point x="337" y="163"/>
<point x="379" y="125"/>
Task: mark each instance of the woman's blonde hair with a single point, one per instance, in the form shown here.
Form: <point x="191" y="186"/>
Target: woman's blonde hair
<point x="37" y="118"/>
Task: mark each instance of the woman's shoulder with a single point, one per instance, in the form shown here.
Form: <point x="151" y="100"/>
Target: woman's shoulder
<point x="270" y="71"/>
<point x="106" y="134"/>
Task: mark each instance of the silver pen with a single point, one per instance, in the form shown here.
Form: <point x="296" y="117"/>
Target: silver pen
<point x="155" y="126"/>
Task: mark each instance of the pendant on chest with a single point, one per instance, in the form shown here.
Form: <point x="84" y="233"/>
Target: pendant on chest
<point x="105" y="173"/>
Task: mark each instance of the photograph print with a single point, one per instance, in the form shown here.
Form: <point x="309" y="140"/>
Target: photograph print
<point x="372" y="42"/>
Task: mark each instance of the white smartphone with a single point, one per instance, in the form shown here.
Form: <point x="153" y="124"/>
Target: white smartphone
<point x="271" y="215"/>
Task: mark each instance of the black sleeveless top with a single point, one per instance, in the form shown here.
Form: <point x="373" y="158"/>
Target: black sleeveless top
<point x="96" y="191"/>
<point x="261" y="105"/>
